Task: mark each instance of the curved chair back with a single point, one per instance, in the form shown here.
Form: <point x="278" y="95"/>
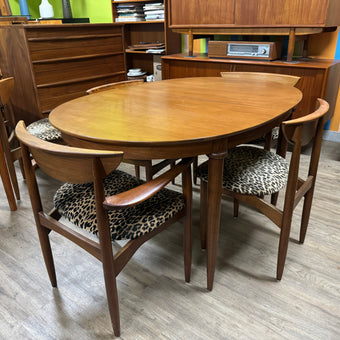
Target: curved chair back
<point x="303" y="130"/>
<point x="66" y="163"/>
<point x="114" y="85"/>
<point x="6" y="88"/>
<point x="276" y="77"/>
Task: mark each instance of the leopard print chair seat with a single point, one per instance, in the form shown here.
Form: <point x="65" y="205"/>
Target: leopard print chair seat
<point x="251" y="171"/>
<point x="76" y="202"/>
<point x="44" y="130"/>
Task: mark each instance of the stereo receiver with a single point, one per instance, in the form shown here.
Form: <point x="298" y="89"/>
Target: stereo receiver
<point x="243" y="49"/>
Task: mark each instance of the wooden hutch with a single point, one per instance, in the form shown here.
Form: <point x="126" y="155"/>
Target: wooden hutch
<point x="296" y="19"/>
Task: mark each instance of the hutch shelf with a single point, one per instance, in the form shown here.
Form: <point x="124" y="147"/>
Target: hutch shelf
<point x="136" y="32"/>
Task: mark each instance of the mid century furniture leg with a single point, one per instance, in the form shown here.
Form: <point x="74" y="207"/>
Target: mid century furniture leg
<point x="6" y="180"/>
<point x="213" y="212"/>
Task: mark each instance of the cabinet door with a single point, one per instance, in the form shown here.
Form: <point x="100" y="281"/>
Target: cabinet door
<point x="281" y="12"/>
<point x="201" y="12"/>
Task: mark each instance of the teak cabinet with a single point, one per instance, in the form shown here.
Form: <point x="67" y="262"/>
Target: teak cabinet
<point x="254" y="17"/>
<point x="52" y="64"/>
<point x="243" y="13"/>
<point x="146" y="31"/>
<point x="319" y="78"/>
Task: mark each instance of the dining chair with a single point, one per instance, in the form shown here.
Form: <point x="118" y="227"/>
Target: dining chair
<point x="284" y="79"/>
<point x="107" y="203"/>
<point x="150" y="169"/>
<point x="251" y="172"/>
<point x="44" y="130"/>
<point x="10" y="150"/>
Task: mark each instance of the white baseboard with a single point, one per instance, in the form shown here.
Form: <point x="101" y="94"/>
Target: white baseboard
<point x="333" y="136"/>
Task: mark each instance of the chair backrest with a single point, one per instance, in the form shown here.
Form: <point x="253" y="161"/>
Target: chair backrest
<point x="111" y="86"/>
<point x="65" y="163"/>
<point x="6" y="88"/>
<point x="276" y="77"/>
<point x="302" y="130"/>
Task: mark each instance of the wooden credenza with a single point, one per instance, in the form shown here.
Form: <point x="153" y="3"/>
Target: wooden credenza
<point x="52" y="64"/>
<point x="319" y="77"/>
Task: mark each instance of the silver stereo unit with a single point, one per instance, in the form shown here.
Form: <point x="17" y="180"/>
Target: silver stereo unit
<point x="243" y="49"/>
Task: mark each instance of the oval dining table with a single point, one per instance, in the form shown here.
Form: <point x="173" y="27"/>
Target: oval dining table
<point x="178" y="118"/>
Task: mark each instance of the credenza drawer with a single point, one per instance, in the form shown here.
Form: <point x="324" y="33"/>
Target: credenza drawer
<point x="84" y="46"/>
<point x="51" y="96"/>
<point x="58" y="70"/>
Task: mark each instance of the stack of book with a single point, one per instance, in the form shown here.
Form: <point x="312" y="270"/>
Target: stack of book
<point x="130" y="12"/>
<point x="149" y="47"/>
<point x="154" y="11"/>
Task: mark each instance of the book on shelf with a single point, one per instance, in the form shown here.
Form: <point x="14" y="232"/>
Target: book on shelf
<point x="154" y="12"/>
<point x="129" y="18"/>
<point x="155" y="50"/>
<point x="130" y="12"/>
<point x="146" y="46"/>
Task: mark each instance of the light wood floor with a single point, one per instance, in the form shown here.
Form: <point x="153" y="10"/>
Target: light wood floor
<point x="155" y="303"/>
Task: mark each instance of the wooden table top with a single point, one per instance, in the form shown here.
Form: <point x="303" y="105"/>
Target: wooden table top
<point x="174" y="111"/>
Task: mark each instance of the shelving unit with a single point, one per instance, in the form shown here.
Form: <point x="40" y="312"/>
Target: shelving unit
<point x="146" y="31"/>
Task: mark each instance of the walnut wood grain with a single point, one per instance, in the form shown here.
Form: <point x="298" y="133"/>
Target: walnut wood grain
<point x="52" y="64"/>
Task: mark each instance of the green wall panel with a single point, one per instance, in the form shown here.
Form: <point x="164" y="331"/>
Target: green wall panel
<point x="98" y="11"/>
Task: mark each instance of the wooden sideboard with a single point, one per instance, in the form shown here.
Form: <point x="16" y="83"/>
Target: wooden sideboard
<point x="52" y="64"/>
<point x="319" y="77"/>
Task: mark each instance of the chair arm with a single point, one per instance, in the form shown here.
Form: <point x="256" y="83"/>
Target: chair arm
<point x="143" y="192"/>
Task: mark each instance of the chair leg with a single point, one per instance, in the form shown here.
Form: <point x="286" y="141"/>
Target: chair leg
<point x="274" y="198"/>
<point x="47" y="253"/>
<point x="268" y="141"/>
<point x="112" y="295"/>
<point x="22" y="168"/>
<point x="283" y="246"/>
<point x="148" y="171"/>
<point x="7" y="181"/>
<point x="137" y="171"/>
<point x="203" y="213"/>
<point x="14" y="179"/>
<point x="236" y="206"/>
<point x="194" y="169"/>
<point x="171" y="166"/>
<point x="307" y="205"/>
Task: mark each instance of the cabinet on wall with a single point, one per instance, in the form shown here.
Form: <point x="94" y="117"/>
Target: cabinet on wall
<point x="254" y="17"/>
<point x="243" y="13"/>
<point x="319" y="77"/>
<point x="149" y="31"/>
<point x="52" y="64"/>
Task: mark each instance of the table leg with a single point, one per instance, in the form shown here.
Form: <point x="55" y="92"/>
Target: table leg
<point x="213" y="213"/>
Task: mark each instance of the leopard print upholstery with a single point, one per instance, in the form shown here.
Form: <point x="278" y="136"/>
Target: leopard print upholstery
<point x="76" y="202"/>
<point x="44" y="130"/>
<point x="251" y="171"/>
